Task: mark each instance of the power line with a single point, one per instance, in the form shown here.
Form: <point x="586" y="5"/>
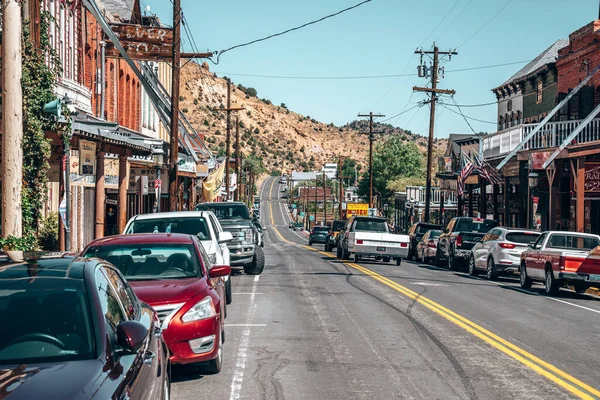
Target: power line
<point x="459" y="112"/>
<point x="455" y="19"/>
<point x="220" y="53"/>
<point x="364" y="76"/>
<point x="486" y="24"/>
<point x="402" y="112"/>
<point x="440" y="23"/>
<point x="473" y="105"/>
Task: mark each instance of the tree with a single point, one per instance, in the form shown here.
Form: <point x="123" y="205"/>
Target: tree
<point x="251" y="92"/>
<point x="393" y="159"/>
<point x="348" y="165"/>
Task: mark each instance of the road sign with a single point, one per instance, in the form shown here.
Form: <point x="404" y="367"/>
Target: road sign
<point x="301" y="213"/>
<point x="312" y="217"/>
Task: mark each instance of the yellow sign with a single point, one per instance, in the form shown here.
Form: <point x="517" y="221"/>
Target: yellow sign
<point x="211" y="187"/>
<point x="357" y="209"/>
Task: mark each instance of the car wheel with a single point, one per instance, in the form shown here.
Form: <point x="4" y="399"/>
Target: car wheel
<point x="310" y="243"/>
<point x="552" y="285"/>
<point x="386" y="259"/>
<point x="398" y="261"/>
<point x="346" y="254"/>
<point x="213" y="367"/>
<point x="452" y="263"/>
<point x="338" y="252"/>
<point x="356" y="258"/>
<point x="491" y="273"/>
<point x="258" y="263"/>
<point x="409" y="257"/>
<point x="579" y="288"/>
<point x="438" y="261"/>
<point x="228" y="296"/>
<point x="472" y="269"/>
<point x="524" y="280"/>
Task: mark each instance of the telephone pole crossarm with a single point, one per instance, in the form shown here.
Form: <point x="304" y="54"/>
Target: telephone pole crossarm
<point x="196" y="55"/>
<point x="430" y="90"/>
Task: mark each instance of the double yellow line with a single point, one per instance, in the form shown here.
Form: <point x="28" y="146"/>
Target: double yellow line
<point x="271" y="213"/>
<point x="549" y="371"/>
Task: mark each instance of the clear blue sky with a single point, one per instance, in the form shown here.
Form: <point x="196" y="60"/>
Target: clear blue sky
<point x="378" y="38"/>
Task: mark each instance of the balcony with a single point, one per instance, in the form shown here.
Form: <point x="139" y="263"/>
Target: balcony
<point x="551" y="135"/>
<point x="417" y="195"/>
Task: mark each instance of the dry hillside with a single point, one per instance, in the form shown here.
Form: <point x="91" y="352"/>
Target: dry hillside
<point x="283" y="139"/>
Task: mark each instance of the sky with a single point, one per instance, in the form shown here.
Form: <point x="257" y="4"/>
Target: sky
<point x="378" y="38"/>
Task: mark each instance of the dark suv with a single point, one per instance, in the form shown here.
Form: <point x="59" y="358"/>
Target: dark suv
<point x="459" y="237"/>
<point x="318" y="235"/>
<point x="416" y="233"/>
<point x="336" y="227"/>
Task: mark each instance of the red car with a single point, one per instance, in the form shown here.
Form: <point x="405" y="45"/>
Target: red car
<point x="170" y="272"/>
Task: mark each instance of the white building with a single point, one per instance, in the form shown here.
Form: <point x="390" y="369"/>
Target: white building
<point x="330" y="170"/>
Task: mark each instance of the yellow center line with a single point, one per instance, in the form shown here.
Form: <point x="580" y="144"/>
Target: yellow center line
<point x="271" y="214"/>
<point x="550" y="372"/>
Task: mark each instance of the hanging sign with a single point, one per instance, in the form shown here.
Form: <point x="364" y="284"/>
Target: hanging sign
<point x="211" y="187"/>
<point x="142" y="42"/>
<point x="592" y="177"/>
<point x="87" y="157"/>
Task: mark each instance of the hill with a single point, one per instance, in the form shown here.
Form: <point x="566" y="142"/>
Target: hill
<point x="281" y="138"/>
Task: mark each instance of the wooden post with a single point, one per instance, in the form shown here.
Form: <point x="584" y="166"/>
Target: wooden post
<point x="238" y="163"/>
<point x="495" y="203"/>
<point x="482" y="198"/>
<point x="12" y="120"/>
<point x="506" y="199"/>
<point x="470" y="200"/>
<point x="580" y="202"/>
<point x="123" y="186"/>
<point x="100" y="195"/>
<point x="176" y="71"/>
<point x="551" y="173"/>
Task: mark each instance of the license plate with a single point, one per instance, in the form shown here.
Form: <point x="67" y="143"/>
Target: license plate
<point x="379" y="248"/>
<point x="594" y="278"/>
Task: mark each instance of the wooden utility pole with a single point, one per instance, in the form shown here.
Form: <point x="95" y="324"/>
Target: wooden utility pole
<point x="228" y="139"/>
<point x="371" y="140"/>
<point x="316" y="200"/>
<point x="12" y="120"/>
<point x="176" y="70"/>
<point x="325" y="198"/>
<point x="434" y="91"/>
<point x="341" y="178"/>
<point x="238" y="162"/>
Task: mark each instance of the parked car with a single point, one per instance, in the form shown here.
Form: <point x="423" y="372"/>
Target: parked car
<point x="244" y="249"/>
<point x="261" y="233"/>
<point x="499" y="251"/>
<point x="171" y="273"/>
<point x="204" y="224"/>
<point x="415" y="233"/>
<point x="73" y="328"/>
<point x="371" y="237"/>
<point x="559" y="258"/>
<point x="334" y="231"/>
<point x="459" y="237"/>
<point x="318" y="235"/>
<point x="297" y="226"/>
<point x="427" y="246"/>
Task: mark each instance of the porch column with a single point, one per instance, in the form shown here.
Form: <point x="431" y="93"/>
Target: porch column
<point x="580" y="202"/>
<point x="460" y="204"/>
<point x="100" y="195"/>
<point x="506" y="205"/>
<point x="61" y="193"/>
<point x="524" y="199"/>
<point x="442" y="200"/>
<point x="470" y="200"/>
<point x="495" y="203"/>
<point x="123" y="184"/>
<point x="550" y="173"/>
<point x="482" y="198"/>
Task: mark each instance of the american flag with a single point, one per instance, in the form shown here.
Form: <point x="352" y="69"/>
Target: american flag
<point x="486" y="170"/>
<point x="466" y="170"/>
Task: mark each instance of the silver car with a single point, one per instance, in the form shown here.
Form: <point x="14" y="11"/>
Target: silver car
<point x="499" y="251"/>
<point x="427" y="246"/>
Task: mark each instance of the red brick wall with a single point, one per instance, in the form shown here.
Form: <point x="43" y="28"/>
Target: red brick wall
<point x="123" y="93"/>
<point x="584" y="47"/>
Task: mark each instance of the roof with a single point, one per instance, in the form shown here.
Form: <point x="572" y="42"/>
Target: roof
<point x="121" y="8"/>
<point x="51" y="267"/>
<point x="548" y="56"/>
<point x="168" y="215"/>
<point x="144" y="238"/>
<point x="454" y="139"/>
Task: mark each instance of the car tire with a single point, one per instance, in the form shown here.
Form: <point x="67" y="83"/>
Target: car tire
<point x="551" y="284"/>
<point x="228" y="296"/>
<point x="356" y="258"/>
<point x="524" y="280"/>
<point x="438" y="261"/>
<point x="213" y="367"/>
<point x="452" y="263"/>
<point x="258" y="263"/>
<point x="490" y="272"/>
<point x="338" y="252"/>
<point x="310" y="243"/>
<point x="346" y="254"/>
<point x="398" y="261"/>
<point x="472" y="269"/>
<point x="386" y="259"/>
<point x="579" y="288"/>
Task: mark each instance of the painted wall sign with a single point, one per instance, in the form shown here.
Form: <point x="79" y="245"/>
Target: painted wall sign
<point x="592" y="177"/>
<point x="142" y="42"/>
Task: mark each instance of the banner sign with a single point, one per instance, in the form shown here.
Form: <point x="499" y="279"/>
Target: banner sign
<point x="212" y="185"/>
<point x="592" y="177"/>
<point x="357" y="209"/>
<point x="87" y="157"/>
<point x="142" y="42"/>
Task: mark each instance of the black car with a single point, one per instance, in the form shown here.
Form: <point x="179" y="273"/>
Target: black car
<point x="455" y="243"/>
<point x="318" y="235"/>
<point x="73" y="329"/>
<point x="415" y="233"/>
<point x="336" y="227"/>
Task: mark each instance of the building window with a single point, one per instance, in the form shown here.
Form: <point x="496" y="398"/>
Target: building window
<point x="540" y="91"/>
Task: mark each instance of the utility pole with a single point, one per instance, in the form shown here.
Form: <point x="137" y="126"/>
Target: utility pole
<point x="371" y="140"/>
<point x="316" y="200"/>
<point x="176" y="71"/>
<point x="12" y="120"/>
<point x="341" y="180"/>
<point x="325" y="198"/>
<point x="229" y="109"/>
<point x="434" y="91"/>
<point x="238" y="161"/>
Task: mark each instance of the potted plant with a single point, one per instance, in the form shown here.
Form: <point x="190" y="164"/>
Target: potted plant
<point x="15" y="247"/>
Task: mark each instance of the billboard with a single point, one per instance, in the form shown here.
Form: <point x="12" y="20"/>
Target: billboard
<point x="357" y="209"/>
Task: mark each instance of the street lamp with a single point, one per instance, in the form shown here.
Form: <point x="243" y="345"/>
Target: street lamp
<point x="533" y="179"/>
<point x="158" y="155"/>
<point x="533" y="182"/>
<point x="385" y="209"/>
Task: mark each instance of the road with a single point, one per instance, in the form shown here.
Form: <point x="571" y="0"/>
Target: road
<point x="312" y="327"/>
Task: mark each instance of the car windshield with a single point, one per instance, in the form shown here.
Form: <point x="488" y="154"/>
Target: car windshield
<point x="226" y="211"/>
<point x="371" y="225"/>
<point x="144" y="262"/>
<point x="45" y="320"/>
<point x="522" y="237"/>
<point x="434" y="234"/>
<point x="479" y="226"/>
<point x="424" y="228"/>
<point x="574" y="242"/>
<point x="338" y="225"/>
<point x="321" y="229"/>
<point x="189" y="226"/>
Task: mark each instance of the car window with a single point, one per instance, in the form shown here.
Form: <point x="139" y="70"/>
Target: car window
<point x="190" y="226"/>
<point x="371" y="225"/>
<point x="424" y="228"/>
<point x="204" y="256"/>
<point x="473" y="225"/>
<point x="538" y="243"/>
<point x="216" y="226"/>
<point x="150" y="261"/>
<point x="575" y="242"/>
<point x="109" y="301"/>
<point x="127" y="298"/>
<point x="226" y="211"/>
<point x="318" y="229"/>
<point x="434" y="234"/>
<point x="522" y="237"/>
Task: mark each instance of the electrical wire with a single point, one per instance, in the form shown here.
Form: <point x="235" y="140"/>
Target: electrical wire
<point x="473" y="105"/>
<point x="220" y="53"/>
<point x="486" y="24"/>
<point x="455" y="19"/>
<point x="440" y="23"/>
<point x="401" y="113"/>
<point x="467" y="117"/>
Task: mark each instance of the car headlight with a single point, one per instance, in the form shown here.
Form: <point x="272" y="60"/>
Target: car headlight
<point x="247" y="234"/>
<point x="212" y="258"/>
<point x="202" y="310"/>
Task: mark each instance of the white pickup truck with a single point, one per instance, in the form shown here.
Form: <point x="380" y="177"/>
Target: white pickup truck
<point x="371" y="237"/>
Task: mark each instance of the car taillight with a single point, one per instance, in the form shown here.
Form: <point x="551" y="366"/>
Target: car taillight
<point x="403" y="244"/>
<point x="458" y="241"/>
<point x="359" y="241"/>
<point x="569" y="263"/>
<point x="431" y="244"/>
<point x="507" y="245"/>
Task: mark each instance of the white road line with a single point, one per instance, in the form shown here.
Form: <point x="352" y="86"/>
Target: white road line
<point x="296" y="233"/>
<point x="242" y="355"/>
<point x="246" y="325"/>
<point x="245" y="293"/>
<point x="427" y="284"/>
<point x="574" y="305"/>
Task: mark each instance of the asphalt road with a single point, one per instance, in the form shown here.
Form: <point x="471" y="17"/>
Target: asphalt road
<point x="312" y="327"/>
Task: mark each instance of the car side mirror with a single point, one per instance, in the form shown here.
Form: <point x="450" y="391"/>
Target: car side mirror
<point x="131" y="336"/>
<point x="220" y="270"/>
<point x="225" y="237"/>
